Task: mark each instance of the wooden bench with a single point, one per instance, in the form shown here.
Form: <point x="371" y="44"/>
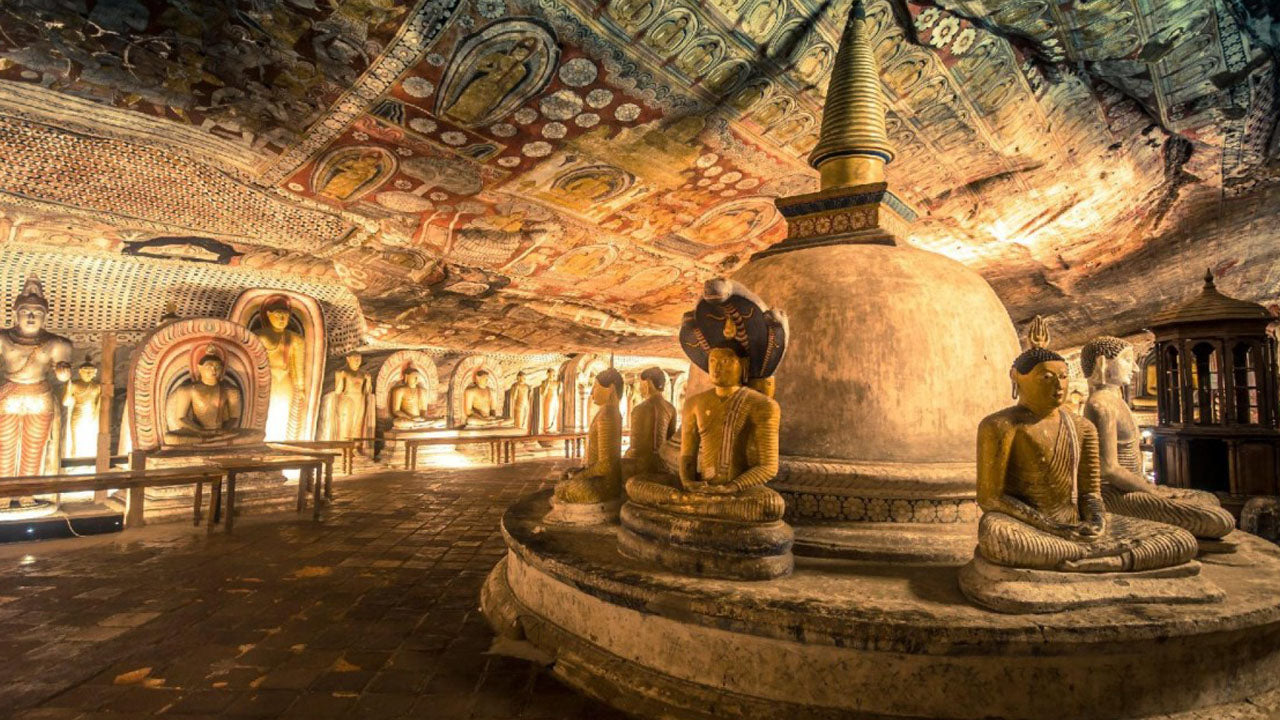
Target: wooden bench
<point x="309" y="467"/>
<point x="502" y="448"/>
<point x="132" y="480"/>
<point x="347" y="448"/>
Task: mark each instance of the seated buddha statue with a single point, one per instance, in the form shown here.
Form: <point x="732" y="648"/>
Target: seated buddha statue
<point x="206" y="410"/>
<point x="728" y="451"/>
<point x="409" y="402"/>
<point x="1039" y="485"/>
<point x="477" y="401"/>
<point x="1109" y="362"/>
<point x="592" y="493"/>
<point x="652" y="424"/>
<point x="715" y="516"/>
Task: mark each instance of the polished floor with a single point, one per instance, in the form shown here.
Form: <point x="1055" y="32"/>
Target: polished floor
<point x="371" y="613"/>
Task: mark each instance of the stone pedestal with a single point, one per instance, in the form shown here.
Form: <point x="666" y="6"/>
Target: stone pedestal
<point x="564" y="513"/>
<point x="864" y="640"/>
<point x="706" y="547"/>
<point x="1018" y="590"/>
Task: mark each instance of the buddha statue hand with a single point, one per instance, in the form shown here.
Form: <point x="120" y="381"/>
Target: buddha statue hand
<point x="706" y="488"/>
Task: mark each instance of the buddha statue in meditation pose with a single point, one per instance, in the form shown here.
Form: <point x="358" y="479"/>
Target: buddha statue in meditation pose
<point x="652" y="423"/>
<point x="409" y="401"/>
<point x="1109" y="362"/>
<point x="716" y="516"/>
<point x="596" y="487"/>
<point x="205" y="409"/>
<point x="1039" y="486"/>
<point x="477" y="401"/>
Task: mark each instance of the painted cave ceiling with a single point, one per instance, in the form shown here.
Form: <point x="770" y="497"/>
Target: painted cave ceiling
<point x="534" y="174"/>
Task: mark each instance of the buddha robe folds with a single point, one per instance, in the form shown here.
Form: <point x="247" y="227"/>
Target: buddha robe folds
<point x="1055" y="487"/>
<point x="1196" y="511"/>
<point x="729" y="451"/>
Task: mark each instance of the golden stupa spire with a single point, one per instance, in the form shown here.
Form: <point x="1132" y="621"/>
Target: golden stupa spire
<point x="853" y="147"/>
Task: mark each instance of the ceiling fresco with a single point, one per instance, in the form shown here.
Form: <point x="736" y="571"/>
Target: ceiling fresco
<point x="533" y="174"/>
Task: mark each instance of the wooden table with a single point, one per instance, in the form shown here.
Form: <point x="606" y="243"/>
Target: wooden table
<point x="347" y="448"/>
<point x="309" y="467"/>
<point x="502" y="448"/>
<point x="135" y="481"/>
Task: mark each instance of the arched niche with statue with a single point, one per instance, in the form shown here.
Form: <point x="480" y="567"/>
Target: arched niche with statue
<point x="170" y="366"/>
<point x="419" y="396"/>
<point x="467" y="393"/>
<point x="297" y="354"/>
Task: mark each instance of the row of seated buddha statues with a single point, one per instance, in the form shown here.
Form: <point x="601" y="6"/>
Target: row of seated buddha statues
<point x="1068" y="521"/>
<point x="713" y="515"/>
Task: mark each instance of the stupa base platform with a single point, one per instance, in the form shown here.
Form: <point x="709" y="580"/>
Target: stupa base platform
<point x="1019" y="590"/>
<point x="563" y="513"/>
<point x="864" y="640"/>
<point x="916" y="543"/>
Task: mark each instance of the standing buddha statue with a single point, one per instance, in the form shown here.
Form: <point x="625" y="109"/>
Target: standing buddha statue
<point x="286" y="353"/>
<point x="521" y="411"/>
<point x="549" y="403"/>
<point x="1109" y="362"/>
<point x="82" y="398"/>
<point x="30" y="357"/>
<point x="349" y="408"/>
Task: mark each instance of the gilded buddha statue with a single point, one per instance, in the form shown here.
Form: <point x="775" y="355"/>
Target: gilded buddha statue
<point x="205" y="410"/>
<point x="409" y="401"/>
<point x="1040" y="490"/>
<point x="478" y="406"/>
<point x="592" y="494"/>
<point x="286" y="354"/>
<point x="30" y="358"/>
<point x="82" y="400"/>
<point x="521" y="410"/>
<point x="349" y="408"/>
<point x="1109" y="362"/>
<point x="549" y="403"/>
<point x="716" y="516"/>
<point x="652" y="423"/>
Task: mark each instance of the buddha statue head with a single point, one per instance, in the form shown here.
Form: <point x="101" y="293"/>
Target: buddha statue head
<point x="520" y="378"/>
<point x="354" y="361"/>
<point x="608" y="388"/>
<point x="87" y="371"/>
<point x="482" y="379"/>
<point x="725" y="367"/>
<point x="412" y="378"/>
<point x="1107" y="360"/>
<point x="1040" y="376"/>
<point x="277" y="312"/>
<point x="652" y="382"/>
<point x="209" y="369"/>
<point x="30" y="309"/>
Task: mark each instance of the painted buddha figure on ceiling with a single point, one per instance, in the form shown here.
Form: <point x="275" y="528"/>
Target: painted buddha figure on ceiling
<point x="409" y="401"/>
<point x="205" y="410"/>
<point x="1109" y="363"/>
<point x="652" y="423"/>
<point x="1040" y="490"/>
<point x="31" y="358"/>
<point x="286" y="353"/>
<point x="494" y="77"/>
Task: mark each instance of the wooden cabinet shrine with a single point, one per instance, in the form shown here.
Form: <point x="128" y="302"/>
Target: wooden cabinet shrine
<point x="1217" y="397"/>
